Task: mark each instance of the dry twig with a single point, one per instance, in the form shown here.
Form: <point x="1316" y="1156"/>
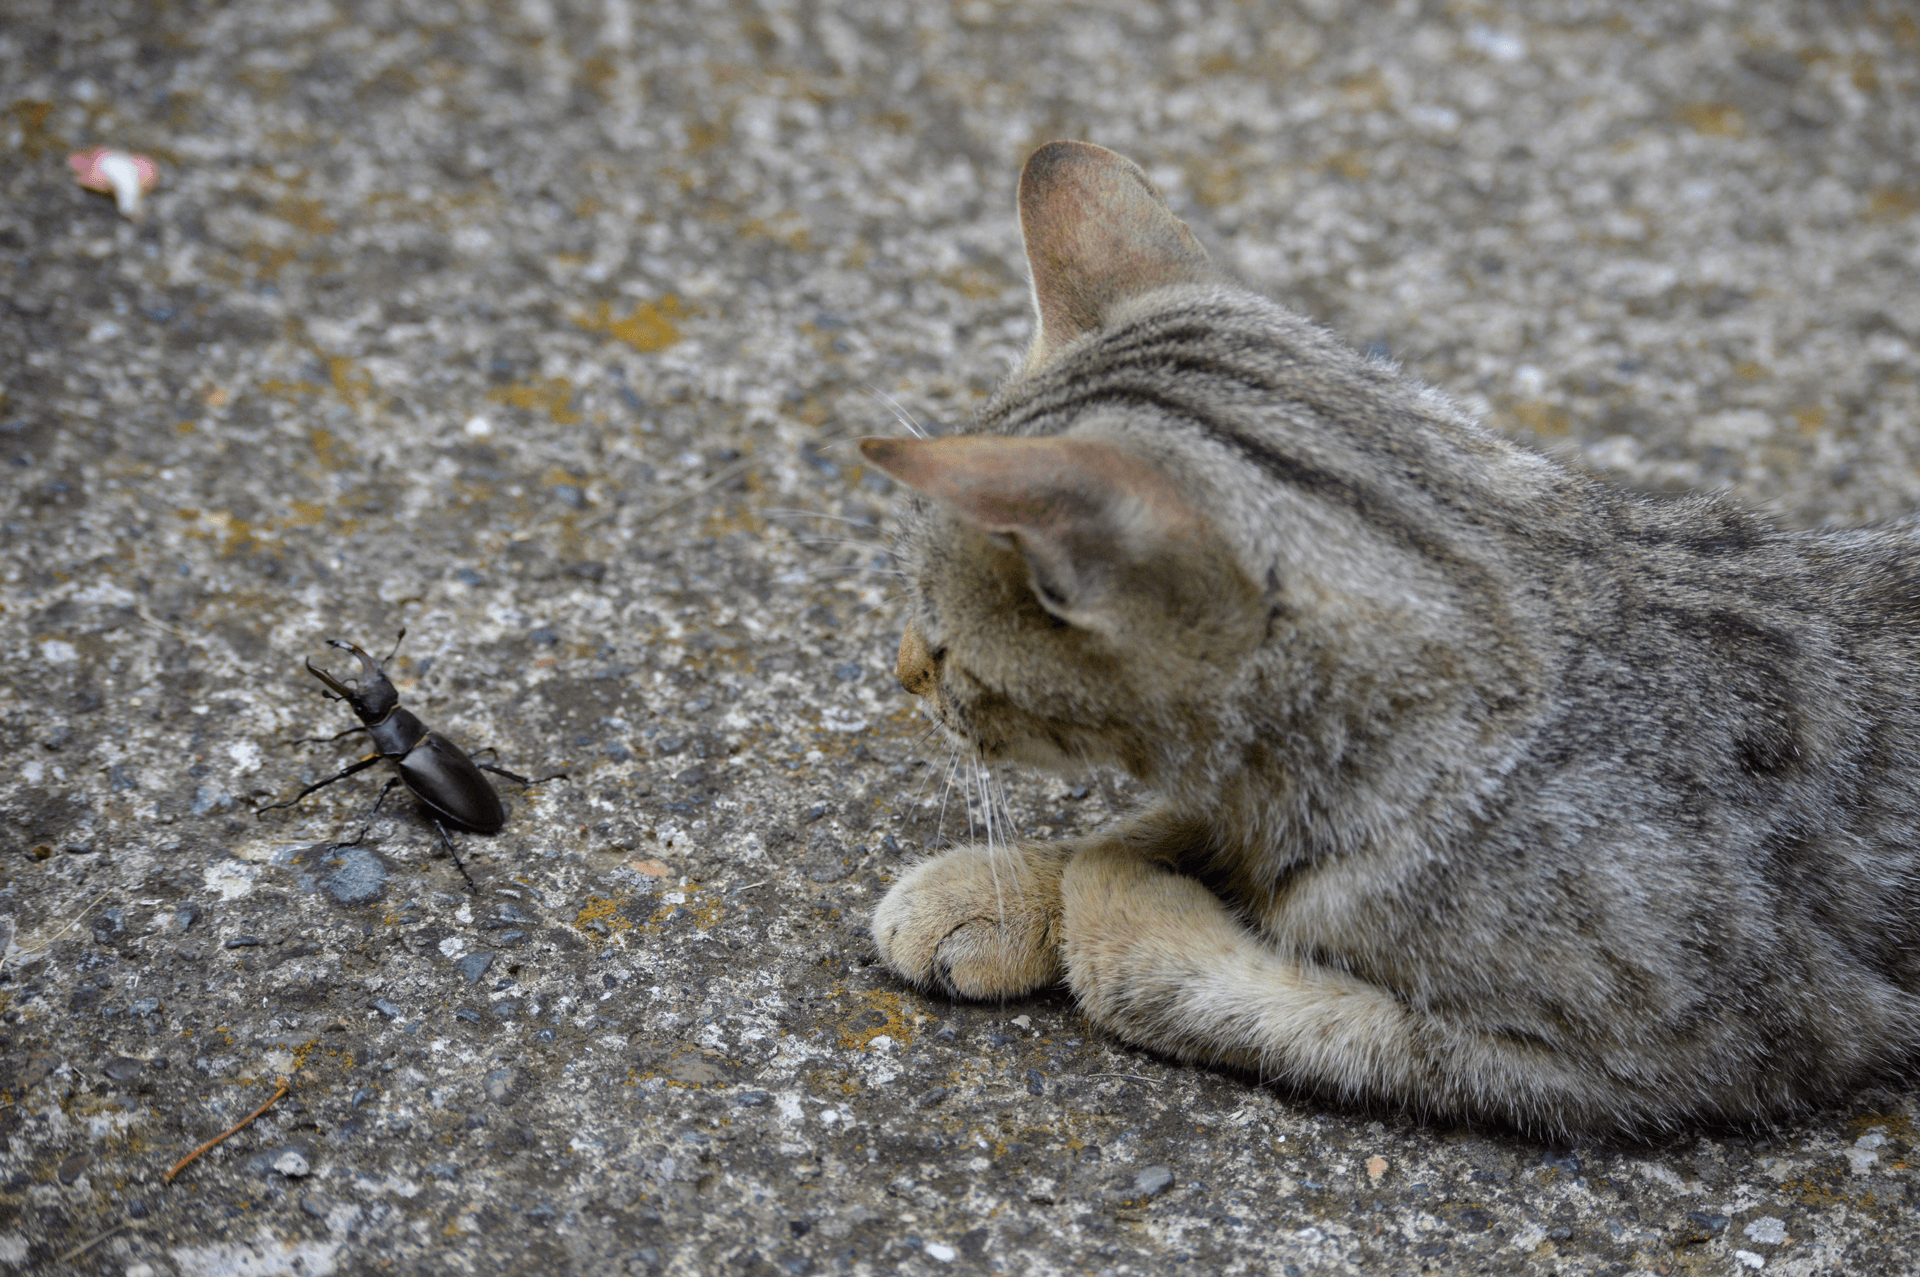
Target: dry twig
<point x="286" y="1084"/>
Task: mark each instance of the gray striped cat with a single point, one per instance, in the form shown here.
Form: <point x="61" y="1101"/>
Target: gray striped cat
<point x="1482" y="788"/>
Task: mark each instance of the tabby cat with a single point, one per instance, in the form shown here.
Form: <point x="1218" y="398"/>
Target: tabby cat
<point x="1482" y="788"/>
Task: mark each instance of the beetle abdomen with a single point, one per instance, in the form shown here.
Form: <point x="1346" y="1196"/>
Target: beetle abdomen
<point x="449" y="783"/>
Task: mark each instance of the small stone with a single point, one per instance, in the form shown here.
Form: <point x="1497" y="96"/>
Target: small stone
<point x="316" y="1205"/>
<point x="387" y="1009"/>
<point x="1768" y="1230"/>
<point x="500" y="1084"/>
<point x="362" y="1095"/>
<point x="475" y="965"/>
<point x="292" y="1165"/>
<point x="942" y="1252"/>
<point x="751" y="1099"/>
<point x="245" y="942"/>
<point x="1376" y="1168"/>
<point x="123" y="1068"/>
<point x="145" y="1006"/>
<point x="468" y="1014"/>
<point x="73" y="1168"/>
<point x="1152" y="1179"/>
<point x="110" y="925"/>
<point x="358" y="879"/>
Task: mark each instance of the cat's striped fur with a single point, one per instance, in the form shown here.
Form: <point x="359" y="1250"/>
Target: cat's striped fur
<point x="1483" y="788"/>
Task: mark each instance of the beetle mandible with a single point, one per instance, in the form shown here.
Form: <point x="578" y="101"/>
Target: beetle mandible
<point x="442" y="777"/>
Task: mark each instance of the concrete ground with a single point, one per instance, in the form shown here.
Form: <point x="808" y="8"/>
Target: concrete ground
<point x="540" y="328"/>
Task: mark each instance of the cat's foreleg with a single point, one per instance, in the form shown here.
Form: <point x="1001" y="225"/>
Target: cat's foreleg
<point x="977" y="921"/>
<point x="1157" y="959"/>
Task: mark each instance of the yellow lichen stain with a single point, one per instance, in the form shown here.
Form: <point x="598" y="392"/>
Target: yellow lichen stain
<point x="1714" y="119"/>
<point x="1811" y="419"/>
<point x="973" y="282"/>
<point x="702" y="136"/>
<point x="306" y="514"/>
<point x="896" y="1025"/>
<point x="1750" y="370"/>
<point x="327" y="448"/>
<point x="1897" y="1125"/>
<point x="267" y="259"/>
<point x="705" y="912"/>
<point x="350" y="383"/>
<point x="649" y="328"/>
<point x="1890" y="204"/>
<point x="34" y="135"/>
<point x="604" y="910"/>
<point x="308" y="215"/>
<point x="289" y="389"/>
<point x="552" y="396"/>
<point x="1352" y="165"/>
<point x="240" y="537"/>
<point x="1366" y="91"/>
<point x="185" y="428"/>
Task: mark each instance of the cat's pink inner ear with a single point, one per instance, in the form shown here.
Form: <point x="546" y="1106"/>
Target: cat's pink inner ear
<point x="1097" y="234"/>
<point x="1055" y="487"/>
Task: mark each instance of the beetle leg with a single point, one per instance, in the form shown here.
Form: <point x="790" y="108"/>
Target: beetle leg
<point x="360" y="766"/>
<point x="501" y="771"/>
<point x="448" y="844"/>
<point x="322" y="740"/>
<point x="375" y="811"/>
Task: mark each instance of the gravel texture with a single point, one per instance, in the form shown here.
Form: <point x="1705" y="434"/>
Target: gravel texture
<point x="541" y="329"/>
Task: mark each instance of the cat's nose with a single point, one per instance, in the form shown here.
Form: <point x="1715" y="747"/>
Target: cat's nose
<point x="916" y="669"/>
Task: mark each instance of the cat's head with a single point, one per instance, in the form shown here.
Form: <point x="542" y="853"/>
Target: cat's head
<point x="1072" y="602"/>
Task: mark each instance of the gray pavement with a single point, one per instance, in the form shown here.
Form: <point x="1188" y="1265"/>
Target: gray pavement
<point x="540" y="328"/>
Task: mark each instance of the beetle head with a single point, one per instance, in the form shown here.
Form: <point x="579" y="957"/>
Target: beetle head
<point x="374" y="696"/>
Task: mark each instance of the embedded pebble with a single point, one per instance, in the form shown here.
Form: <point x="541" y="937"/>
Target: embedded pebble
<point x="123" y="1068"/>
<point x="359" y="879"/>
<point x="475" y="965"/>
<point x="292" y="1165"/>
<point x="1152" y="1179"/>
<point x="1768" y="1230"/>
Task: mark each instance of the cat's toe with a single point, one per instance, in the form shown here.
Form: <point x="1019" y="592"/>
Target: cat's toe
<point x="954" y="925"/>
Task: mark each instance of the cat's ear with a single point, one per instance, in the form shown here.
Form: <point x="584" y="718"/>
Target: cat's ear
<point x="1098" y="233"/>
<point x="1095" y="521"/>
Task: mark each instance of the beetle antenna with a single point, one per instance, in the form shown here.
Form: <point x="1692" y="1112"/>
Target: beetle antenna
<point x="396" y="645"/>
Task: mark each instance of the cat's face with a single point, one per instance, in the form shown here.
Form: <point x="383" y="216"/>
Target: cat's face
<point x="1020" y="666"/>
<point x="1071" y="603"/>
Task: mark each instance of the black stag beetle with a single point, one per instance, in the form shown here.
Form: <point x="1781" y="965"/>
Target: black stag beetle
<point x="444" y="778"/>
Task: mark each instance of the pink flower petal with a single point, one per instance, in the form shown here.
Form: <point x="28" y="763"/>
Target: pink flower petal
<point x="86" y="168"/>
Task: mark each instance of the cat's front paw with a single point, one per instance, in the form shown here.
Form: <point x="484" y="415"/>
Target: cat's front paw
<point x="976" y="922"/>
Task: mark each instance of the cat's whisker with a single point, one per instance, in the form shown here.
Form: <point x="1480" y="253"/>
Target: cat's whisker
<point x="993" y="851"/>
<point x="796" y="512"/>
<point x="900" y="414"/>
